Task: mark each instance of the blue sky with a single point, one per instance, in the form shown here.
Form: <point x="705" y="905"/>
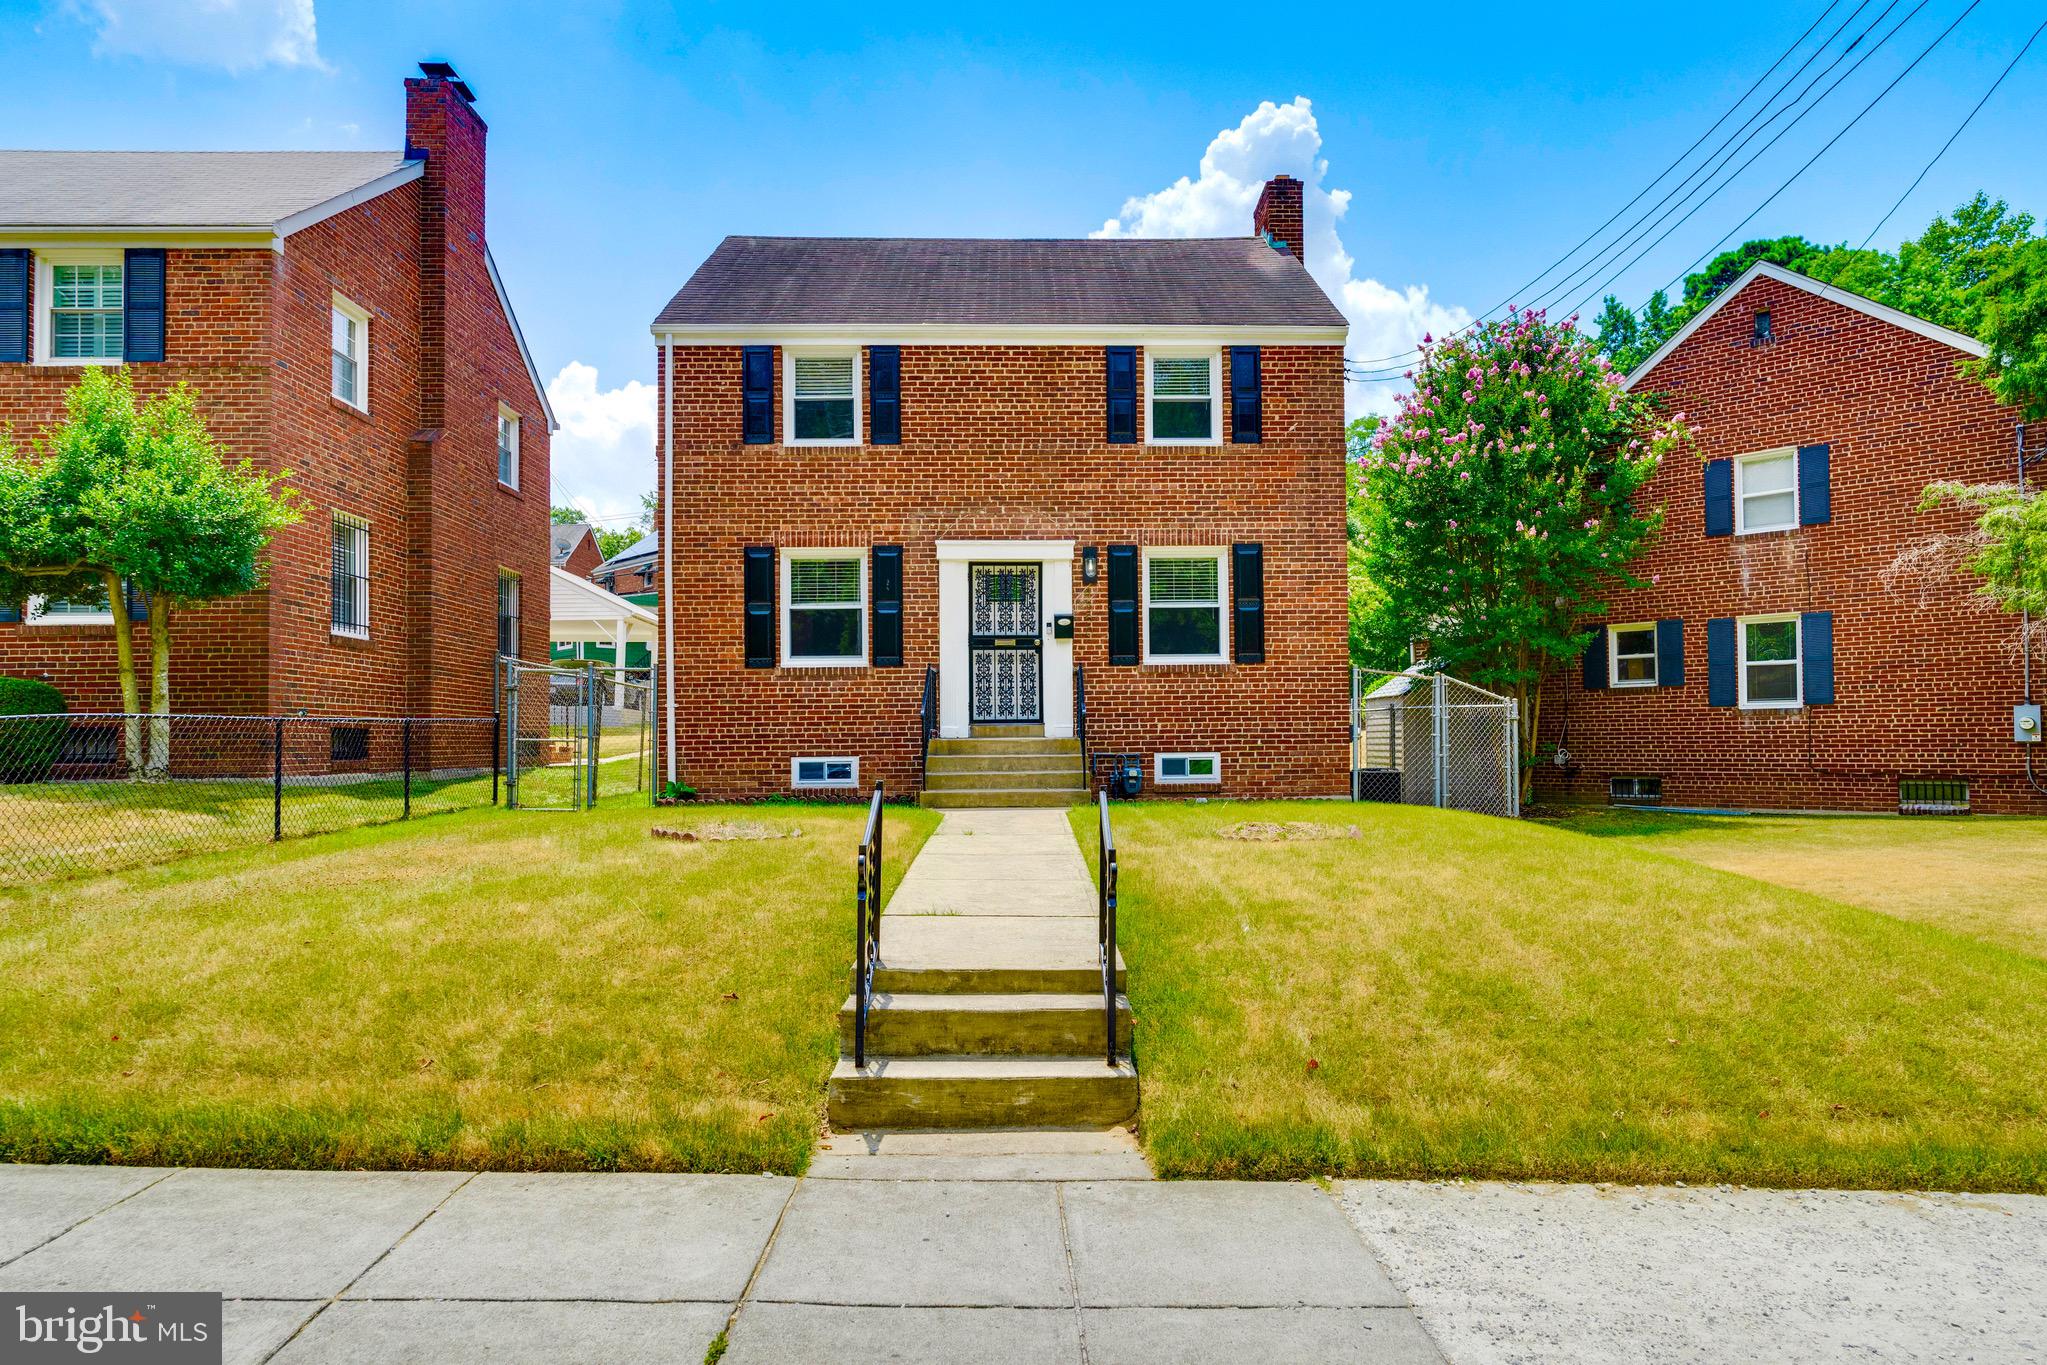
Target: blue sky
<point x="1466" y="154"/>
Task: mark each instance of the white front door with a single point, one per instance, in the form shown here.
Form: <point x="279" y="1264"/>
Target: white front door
<point x="1013" y="644"/>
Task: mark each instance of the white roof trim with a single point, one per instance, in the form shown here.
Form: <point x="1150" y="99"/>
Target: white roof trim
<point x="341" y="203"/>
<point x="532" y="371"/>
<point x="45" y="237"/>
<point x="1932" y="331"/>
<point x="580" y="612"/>
<point x="986" y="334"/>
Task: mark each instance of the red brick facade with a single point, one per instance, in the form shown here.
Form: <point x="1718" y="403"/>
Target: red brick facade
<point x="248" y="329"/>
<point x="585" y="557"/>
<point x="1925" y="672"/>
<point x="1006" y="443"/>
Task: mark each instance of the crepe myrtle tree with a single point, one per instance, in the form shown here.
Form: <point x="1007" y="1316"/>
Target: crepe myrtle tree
<point x="1498" y="502"/>
<point x="136" y="496"/>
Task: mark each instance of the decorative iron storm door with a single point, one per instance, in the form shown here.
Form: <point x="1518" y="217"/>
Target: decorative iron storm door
<point x="1005" y="644"/>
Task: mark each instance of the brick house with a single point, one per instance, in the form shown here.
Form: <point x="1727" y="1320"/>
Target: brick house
<point x="337" y="314"/>
<point x="633" y="569"/>
<point x="1005" y="461"/>
<point x="573" y="547"/>
<point x="1778" y="659"/>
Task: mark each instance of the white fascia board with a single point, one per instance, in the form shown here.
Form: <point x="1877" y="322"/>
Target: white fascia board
<point x="341" y="203"/>
<point x="983" y="334"/>
<point x="512" y="320"/>
<point x="1932" y="331"/>
<point x="49" y="238"/>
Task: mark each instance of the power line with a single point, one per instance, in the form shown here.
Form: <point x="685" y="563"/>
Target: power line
<point x="1959" y="130"/>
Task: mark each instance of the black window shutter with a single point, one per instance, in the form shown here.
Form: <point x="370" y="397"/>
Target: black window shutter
<point x="1720" y="664"/>
<point x="1670" y="653"/>
<point x="1816" y="653"/>
<point x="142" y="306"/>
<point x="1247" y="403"/>
<point x="760" y="606"/>
<point x="14" y="305"/>
<point x="1122" y="604"/>
<point x="1247" y="593"/>
<point x="757" y="382"/>
<point x="885" y="395"/>
<point x="888" y="606"/>
<point x="1719" y="497"/>
<point x="1594" y="662"/>
<point x="1815" y="491"/>
<point x="10" y="611"/>
<point x="1121" y="365"/>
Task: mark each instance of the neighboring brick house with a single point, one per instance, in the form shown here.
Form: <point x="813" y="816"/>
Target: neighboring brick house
<point x="574" y="547"/>
<point x="1779" y="658"/>
<point x="336" y="314"/>
<point x="631" y="570"/>
<point x="1000" y="460"/>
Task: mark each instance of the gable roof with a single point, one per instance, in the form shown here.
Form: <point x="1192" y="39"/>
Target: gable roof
<point x="564" y="537"/>
<point x="190" y="191"/>
<point x="1932" y="331"/>
<point x="647" y="546"/>
<point x="912" y="282"/>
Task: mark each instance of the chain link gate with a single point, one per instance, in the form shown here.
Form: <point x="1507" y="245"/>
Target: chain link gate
<point x="576" y="734"/>
<point x="1428" y="739"/>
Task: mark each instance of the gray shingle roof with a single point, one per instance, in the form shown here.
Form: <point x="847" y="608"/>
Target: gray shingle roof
<point x="882" y="281"/>
<point x="177" y="189"/>
<point x="564" y="536"/>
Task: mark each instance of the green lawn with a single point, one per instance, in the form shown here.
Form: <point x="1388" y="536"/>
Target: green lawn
<point x="1984" y="876"/>
<point x="486" y="989"/>
<point x="1456" y="995"/>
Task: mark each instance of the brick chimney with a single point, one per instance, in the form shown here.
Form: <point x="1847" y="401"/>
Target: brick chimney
<point x="1281" y="215"/>
<point x="442" y="127"/>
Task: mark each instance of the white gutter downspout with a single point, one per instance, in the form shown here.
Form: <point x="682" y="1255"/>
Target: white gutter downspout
<point x="668" y="546"/>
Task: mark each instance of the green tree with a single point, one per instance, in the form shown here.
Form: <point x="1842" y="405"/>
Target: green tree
<point x="1499" y="503"/>
<point x="1366" y="651"/>
<point x="565" y="516"/>
<point x="611" y="543"/>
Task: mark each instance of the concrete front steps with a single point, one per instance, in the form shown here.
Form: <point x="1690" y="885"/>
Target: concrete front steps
<point x="1004" y="765"/>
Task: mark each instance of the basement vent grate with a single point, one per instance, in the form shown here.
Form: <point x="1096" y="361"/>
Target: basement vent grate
<point x="1933" y="798"/>
<point x="1634" y="791"/>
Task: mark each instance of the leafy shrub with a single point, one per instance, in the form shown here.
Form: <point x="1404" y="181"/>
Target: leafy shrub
<point x="29" y="748"/>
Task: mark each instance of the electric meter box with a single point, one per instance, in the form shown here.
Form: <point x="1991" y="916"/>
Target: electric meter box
<point x="2025" y="722"/>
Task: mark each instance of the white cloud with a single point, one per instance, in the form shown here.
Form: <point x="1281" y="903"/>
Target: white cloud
<point x="1274" y="138"/>
<point x="235" y="34"/>
<point x="603" y="456"/>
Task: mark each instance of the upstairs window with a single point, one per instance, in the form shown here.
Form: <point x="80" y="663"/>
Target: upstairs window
<point x="1766" y="491"/>
<point x="1183" y="606"/>
<point x="85" y="306"/>
<point x="1631" y="653"/>
<point x="1185" y="397"/>
<point x="508" y="447"/>
<point x="1770" y="662"/>
<point x="824" y="613"/>
<point x="350" y="343"/>
<point x="349" y="611"/>
<point x="824" y="398"/>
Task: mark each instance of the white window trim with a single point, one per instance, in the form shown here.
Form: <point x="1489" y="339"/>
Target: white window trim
<point x="789" y="358"/>
<point x="32" y="612"/>
<point x="506" y="414"/>
<point x="1741" y="462"/>
<point x="1797" y="660"/>
<point x="360" y="316"/>
<point x="787" y="606"/>
<point x="1613" y="656"/>
<point x="1215" y="394"/>
<point x="796" y="765"/>
<point x="46" y="296"/>
<point x="361" y="527"/>
<point x="1221" y="554"/>
<point x="1158" y="769"/>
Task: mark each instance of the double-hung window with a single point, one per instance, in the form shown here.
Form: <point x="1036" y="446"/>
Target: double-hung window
<point x="824" y="607"/>
<point x="1184" y="621"/>
<point x="88" y="610"/>
<point x="86" y="291"/>
<point x="823" y="389"/>
<point x="349" y="333"/>
<point x="508" y="447"/>
<point x="1766" y="491"/>
<point x="1184" y="397"/>
<point x="508" y="613"/>
<point x="1769" y="661"/>
<point x="349" y="613"/>
<point x="1631" y="652"/>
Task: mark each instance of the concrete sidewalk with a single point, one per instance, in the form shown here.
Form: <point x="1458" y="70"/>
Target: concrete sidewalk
<point x="450" y="1268"/>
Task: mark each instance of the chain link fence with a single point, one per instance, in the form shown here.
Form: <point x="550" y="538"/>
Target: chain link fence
<point x="1428" y="739"/>
<point x="576" y="735"/>
<point x="85" y="793"/>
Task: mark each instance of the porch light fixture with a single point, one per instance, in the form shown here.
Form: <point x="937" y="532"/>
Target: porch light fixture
<point x="1090" y="564"/>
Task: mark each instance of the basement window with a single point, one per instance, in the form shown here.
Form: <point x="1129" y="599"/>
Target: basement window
<point x="1634" y="791"/>
<point x="1920" y="796"/>
<point x="348" y="743"/>
<point x="824" y="772"/>
<point x="1168" y="769"/>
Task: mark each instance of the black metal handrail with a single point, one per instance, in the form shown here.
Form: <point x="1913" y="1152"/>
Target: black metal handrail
<point x="1105" y="918"/>
<point x="928" y="714"/>
<point x="867" y="924"/>
<point x="1080" y="718"/>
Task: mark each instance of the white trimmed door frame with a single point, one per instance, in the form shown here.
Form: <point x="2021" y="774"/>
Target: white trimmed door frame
<point x="1055" y="558"/>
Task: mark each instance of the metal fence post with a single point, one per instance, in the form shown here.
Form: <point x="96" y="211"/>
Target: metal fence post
<point x="593" y="718"/>
<point x="1514" y="760"/>
<point x="277" y="780"/>
<point x="511" y="735"/>
<point x="651" y="726"/>
<point x="497" y="740"/>
<point x="1354" y="714"/>
<point x="405" y="748"/>
<point x="1441" y="738"/>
